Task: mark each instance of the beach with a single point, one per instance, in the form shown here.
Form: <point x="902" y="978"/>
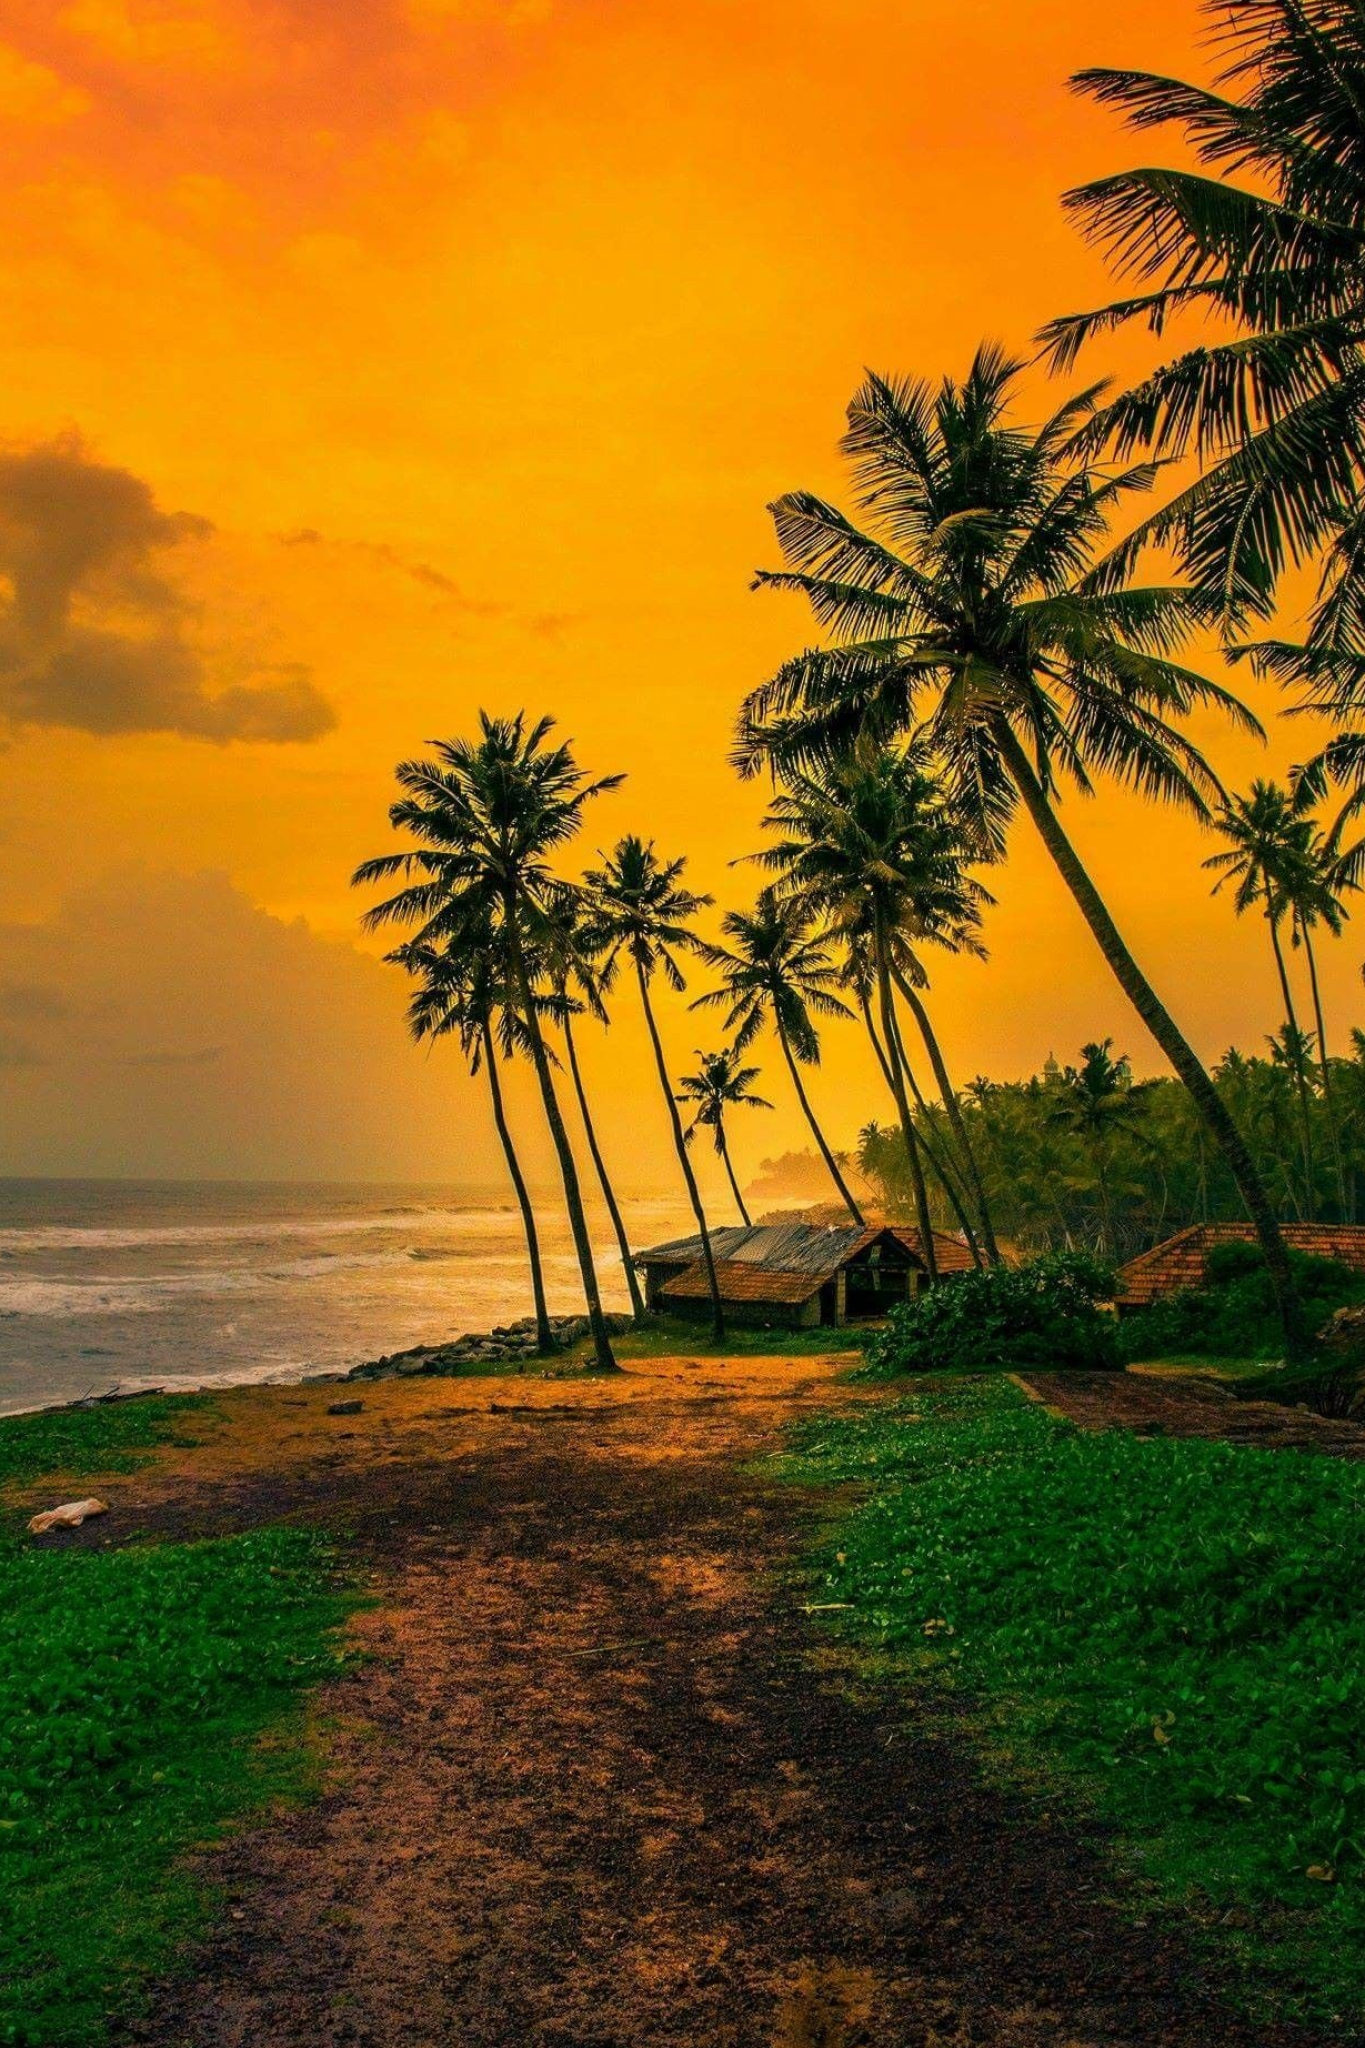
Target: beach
<point x="112" y="1286"/>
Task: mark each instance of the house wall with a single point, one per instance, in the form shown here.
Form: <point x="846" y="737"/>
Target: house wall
<point x="756" y="1315"/>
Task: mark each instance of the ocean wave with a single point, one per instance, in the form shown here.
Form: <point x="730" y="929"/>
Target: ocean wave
<point x="59" y="1237"/>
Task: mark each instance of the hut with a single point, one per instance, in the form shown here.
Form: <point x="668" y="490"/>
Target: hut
<point x="1180" y="1262"/>
<point x="797" y="1275"/>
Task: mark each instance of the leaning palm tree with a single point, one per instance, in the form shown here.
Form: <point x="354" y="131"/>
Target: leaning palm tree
<point x="580" y="987"/>
<point x="1266" y="860"/>
<point x="1274" y="405"/>
<point x="864" y="836"/>
<point x="640" y="911"/>
<point x="974" y="606"/>
<point x="776" y="970"/>
<point x="719" y="1084"/>
<point x="460" y="992"/>
<point x="485" y="816"/>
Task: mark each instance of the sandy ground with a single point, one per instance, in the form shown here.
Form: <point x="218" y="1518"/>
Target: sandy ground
<point x="598" y="1784"/>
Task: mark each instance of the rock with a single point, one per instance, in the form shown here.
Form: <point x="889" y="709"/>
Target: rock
<point x="344" y="1407"/>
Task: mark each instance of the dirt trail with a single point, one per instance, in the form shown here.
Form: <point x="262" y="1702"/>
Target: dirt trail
<point x="598" y="1785"/>
<point x="1157" y="1403"/>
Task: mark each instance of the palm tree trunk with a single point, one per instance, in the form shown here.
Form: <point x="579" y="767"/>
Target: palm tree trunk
<point x="545" y="1342"/>
<point x="854" y="1211"/>
<point x="1325" y="1068"/>
<point x="680" y="1146"/>
<point x="723" y="1148"/>
<point x="1310" y="1174"/>
<point x="931" y="1153"/>
<point x="637" y="1300"/>
<point x="573" y="1194"/>
<point x="1167" y="1034"/>
<point x="908" y="1135"/>
<point x="954" y="1109"/>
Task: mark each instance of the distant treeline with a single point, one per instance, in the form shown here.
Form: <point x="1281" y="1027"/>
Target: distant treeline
<point x="1084" y="1156"/>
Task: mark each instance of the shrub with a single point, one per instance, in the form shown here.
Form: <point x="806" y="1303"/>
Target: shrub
<point x="1045" y="1314"/>
<point x="1233" y="1314"/>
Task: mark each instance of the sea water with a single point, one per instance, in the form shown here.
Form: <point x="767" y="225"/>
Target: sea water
<point x="115" y="1285"/>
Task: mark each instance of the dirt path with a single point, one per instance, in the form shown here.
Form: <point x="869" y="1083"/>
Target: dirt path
<point x="1189" y="1404"/>
<point x="599" y="1787"/>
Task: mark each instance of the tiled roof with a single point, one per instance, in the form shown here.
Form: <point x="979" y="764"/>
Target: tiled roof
<point x="743" y="1283"/>
<point x="1179" y="1262"/>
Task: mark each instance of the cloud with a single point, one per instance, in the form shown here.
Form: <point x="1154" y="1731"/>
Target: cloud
<point x="17" y="1052"/>
<point x="31" y="1002"/>
<point x="383" y="552"/>
<point x="98" y="635"/>
<point x="35" y="96"/>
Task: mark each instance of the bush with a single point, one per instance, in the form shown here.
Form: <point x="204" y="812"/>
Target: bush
<point x="1046" y="1314"/>
<point x="1233" y="1314"/>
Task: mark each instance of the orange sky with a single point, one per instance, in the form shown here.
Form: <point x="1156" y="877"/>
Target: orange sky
<point x="362" y="364"/>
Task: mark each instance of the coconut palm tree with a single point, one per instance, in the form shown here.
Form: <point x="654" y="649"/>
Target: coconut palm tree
<point x="973" y="606"/>
<point x="575" y="974"/>
<point x="1317" y="892"/>
<point x="720" y="1083"/>
<point x="1266" y="857"/>
<point x="641" y="911"/>
<point x="1274" y="405"/>
<point x="460" y="992"/>
<point x="866" y="836"/>
<point x="775" y="970"/>
<point x="1100" y="1103"/>
<point x="485" y="817"/>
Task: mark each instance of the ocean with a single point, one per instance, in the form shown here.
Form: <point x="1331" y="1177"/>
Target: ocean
<point x="115" y="1285"/>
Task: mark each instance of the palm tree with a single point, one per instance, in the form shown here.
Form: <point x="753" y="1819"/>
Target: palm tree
<point x="1275" y="409"/>
<point x="1100" y="1102"/>
<point x="720" y="1083"/>
<point x="460" y="992"/>
<point x="580" y="986"/>
<point x="485" y="817"/>
<point x="776" y="971"/>
<point x="1317" y="893"/>
<point x="1266" y="855"/>
<point x="640" y="909"/>
<point x="978" y="592"/>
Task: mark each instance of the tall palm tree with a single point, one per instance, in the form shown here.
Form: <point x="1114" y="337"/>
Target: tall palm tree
<point x="1317" y="893"/>
<point x="640" y="909"/>
<point x="460" y="991"/>
<point x="1265" y="857"/>
<point x="720" y="1083"/>
<point x="1099" y="1102"/>
<point x="485" y="817"/>
<point x="866" y="836"/>
<point x="575" y="974"/>
<point x="775" y="970"/>
<point x="1274" y="407"/>
<point x="975" y="601"/>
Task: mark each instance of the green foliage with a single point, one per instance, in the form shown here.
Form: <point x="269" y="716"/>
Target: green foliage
<point x="113" y="1437"/>
<point x="1043" y="1314"/>
<point x="1234" y="1315"/>
<point x="1058" y="1175"/>
<point x="132" y="1686"/>
<point x="1174" y="1627"/>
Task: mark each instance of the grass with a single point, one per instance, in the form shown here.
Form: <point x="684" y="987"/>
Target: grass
<point x="1172" y="1630"/>
<point x="149" y="1696"/>
<point x="675" y="1336"/>
<point x="117" y="1436"/>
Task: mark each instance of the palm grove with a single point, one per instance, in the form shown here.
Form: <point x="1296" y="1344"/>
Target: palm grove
<point x="1005" y="612"/>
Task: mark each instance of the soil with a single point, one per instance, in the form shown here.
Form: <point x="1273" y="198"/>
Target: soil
<point x="1157" y="1403"/>
<point x="598" y="1784"/>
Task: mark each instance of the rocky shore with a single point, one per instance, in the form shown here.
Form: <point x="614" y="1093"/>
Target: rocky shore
<point x="508" y="1343"/>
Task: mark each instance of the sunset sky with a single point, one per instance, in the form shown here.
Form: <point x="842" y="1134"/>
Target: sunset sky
<point x="363" y="362"/>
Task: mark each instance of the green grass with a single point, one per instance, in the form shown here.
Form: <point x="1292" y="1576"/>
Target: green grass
<point x="117" y="1436"/>
<point x="148" y="1697"/>
<point x="1174" y="1631"/>
<point x="677" y="1337"/>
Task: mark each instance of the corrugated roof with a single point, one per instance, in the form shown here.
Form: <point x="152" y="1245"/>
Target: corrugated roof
<point x="1179" y="1262"/>
<point x="738" y="1282"/>
<point x="805" y="1249"/>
